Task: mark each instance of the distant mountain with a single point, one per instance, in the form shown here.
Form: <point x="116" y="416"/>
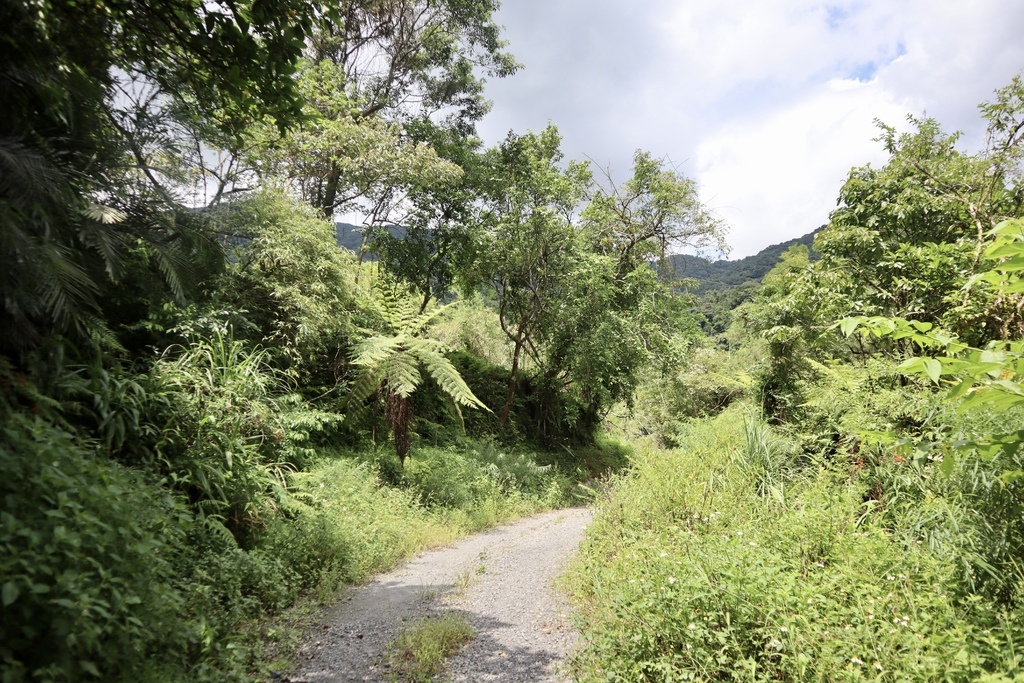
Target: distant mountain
<point x="711" y="275"/>
<point x="718" y="275"/>
<point x="351" y="237"/>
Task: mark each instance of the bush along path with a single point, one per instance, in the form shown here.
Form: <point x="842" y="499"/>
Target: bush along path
<point x="494" y="589"/>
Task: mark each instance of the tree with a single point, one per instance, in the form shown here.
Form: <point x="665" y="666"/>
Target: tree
<point x="907" y="241"/>
<point x="77" y="190"/>
<point x="372" y="67"/>
<point x="288" y="278"/>
<point x="532" y="243"/>
<point x="390" y="367"/>
<point x="657" y="211"/>
<point x="441" y="234"/>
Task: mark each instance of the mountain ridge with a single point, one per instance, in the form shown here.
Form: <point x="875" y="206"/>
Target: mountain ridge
<point x="721" y="274"/>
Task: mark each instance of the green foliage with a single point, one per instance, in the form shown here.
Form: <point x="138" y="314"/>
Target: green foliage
<point x="581" y="307"/>
<point x="289" y="279"/>
<point x="84" y="190"/>
<point x="347" y="525"/>
<point x="705" y="382"/>
<point x="230" y="433"/>
<point x="484" y="483"/>
<point x="390" y="367"/>
<point x="721" y="275"/>
<point x="989" y="377"/>
<point x="472" y="328"/>
<point x="87" y="561"/>
<point x="689" y="573"/>
<point x="439" y="244"/>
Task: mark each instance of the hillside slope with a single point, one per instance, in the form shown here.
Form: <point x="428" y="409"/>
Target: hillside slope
<point x="722" y="274"/>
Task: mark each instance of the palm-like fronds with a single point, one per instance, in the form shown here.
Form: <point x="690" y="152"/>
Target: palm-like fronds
<point x="391" y="365"/>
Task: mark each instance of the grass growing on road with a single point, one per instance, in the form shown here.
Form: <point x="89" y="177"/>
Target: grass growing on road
<point x="420" y="651"/>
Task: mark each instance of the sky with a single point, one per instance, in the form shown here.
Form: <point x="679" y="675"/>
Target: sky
<point x="767" y="104"/>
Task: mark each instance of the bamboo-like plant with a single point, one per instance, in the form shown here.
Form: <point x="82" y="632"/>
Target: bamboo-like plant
<point x="391" y="366"/>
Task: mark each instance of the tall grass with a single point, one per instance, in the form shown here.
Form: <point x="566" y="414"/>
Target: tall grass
<point x="691" y="572"/>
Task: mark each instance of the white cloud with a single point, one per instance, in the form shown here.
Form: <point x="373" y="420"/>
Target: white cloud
<point x="778" y="178"/>
<point x="768" y="103"/>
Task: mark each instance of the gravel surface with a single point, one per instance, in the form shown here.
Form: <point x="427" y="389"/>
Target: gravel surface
<point x="500" y="580"/>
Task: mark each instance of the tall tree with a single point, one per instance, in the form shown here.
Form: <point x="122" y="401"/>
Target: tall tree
<point x="372" y="67"/>
<point x="65" y="149"/>
<point x="438" y="242"/>
<point x="533" y="242"/>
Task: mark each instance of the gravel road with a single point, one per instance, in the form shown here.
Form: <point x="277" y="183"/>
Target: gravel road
<point x="500" y="580"/>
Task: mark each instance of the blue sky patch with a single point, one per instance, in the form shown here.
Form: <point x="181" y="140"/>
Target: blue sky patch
<point x="835" y="16"/>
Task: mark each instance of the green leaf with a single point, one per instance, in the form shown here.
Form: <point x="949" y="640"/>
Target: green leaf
<point x="911" y="365"/>
<point x="959" y="389"/>
<point x="849" y="325"/>
<point x="10" y="593"/>
<point x="933" y="368"/>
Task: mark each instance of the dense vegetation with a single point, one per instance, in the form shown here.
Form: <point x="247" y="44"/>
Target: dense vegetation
<point x="211" y="413"/>
<point x="723" y="273"/>
<point x="844" y="500"/>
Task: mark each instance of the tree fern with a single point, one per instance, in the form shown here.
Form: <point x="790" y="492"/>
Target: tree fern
<point x="392" y="364"/>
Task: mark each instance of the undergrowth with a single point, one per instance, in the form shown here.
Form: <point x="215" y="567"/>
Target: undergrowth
<point x="730" y="559"/>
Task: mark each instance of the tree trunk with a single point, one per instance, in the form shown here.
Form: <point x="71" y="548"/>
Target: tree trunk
<point x="511" y="395"/>
<point x="330" y="195"/>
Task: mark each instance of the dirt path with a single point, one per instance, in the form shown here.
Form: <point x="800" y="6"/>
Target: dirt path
<point x="499" y="580"/>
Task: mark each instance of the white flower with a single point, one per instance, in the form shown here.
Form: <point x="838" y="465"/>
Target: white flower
<point x="878" y="665"/>
<point x="856" y="660"/>
<point x="663" y="555"/>
<point x="784" y="629"/>
<point x="692" y="626"/>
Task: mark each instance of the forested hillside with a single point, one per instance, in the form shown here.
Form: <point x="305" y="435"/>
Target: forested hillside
<point x="213" y="416"/>
<point x="723" y="273"/>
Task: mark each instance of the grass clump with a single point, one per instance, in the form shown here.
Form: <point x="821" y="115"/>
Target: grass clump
<point x="419" y="652"/>
<point x="730" y="560"/>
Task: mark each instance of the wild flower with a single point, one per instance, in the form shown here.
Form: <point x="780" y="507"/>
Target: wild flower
<point x="856" y="660"/>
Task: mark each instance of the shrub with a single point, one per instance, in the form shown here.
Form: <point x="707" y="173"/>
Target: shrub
<point x="688" y="573"/>
<point x="86" y="564"/>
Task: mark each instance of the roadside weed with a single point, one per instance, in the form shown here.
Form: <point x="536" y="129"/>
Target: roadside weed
<point x="420" y="651"/>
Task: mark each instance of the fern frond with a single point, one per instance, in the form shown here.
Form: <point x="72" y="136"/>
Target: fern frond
<point x="106" y="215"/>
<point x="375" y="350"/>
<point x="417" y="322"/>
<point x="403" y="374"/>
<point x="362" y="388"/>
<point x="447" y="376"/>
